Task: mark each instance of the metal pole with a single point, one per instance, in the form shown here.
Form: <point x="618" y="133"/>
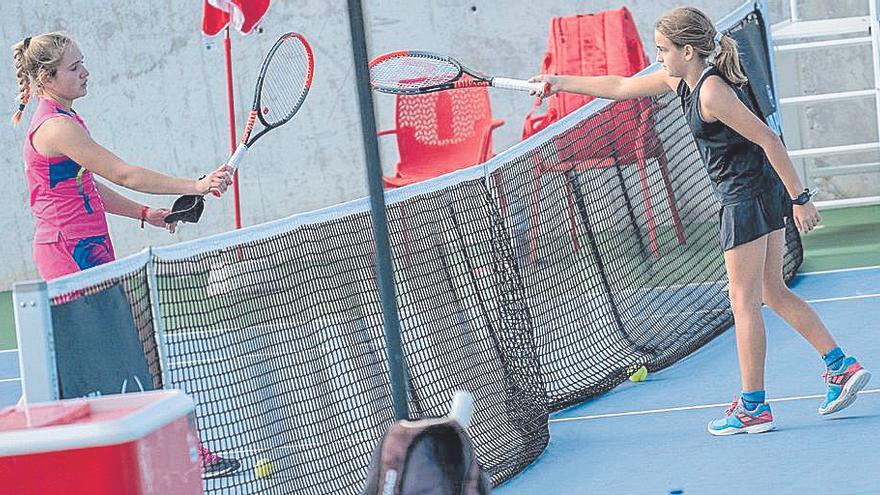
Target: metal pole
<point x="36" y="356"/>
<point x="158" y="321"/>
<point x="384" y="272"/>
<point x="874" y="12"/>
<point x="230" y="101"/>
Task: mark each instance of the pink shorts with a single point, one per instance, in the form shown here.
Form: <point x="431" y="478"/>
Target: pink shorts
<point x="66" y="256"/>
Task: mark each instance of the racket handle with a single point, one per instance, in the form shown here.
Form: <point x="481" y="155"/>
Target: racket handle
<point x="518" y="85"/>
<point x="237" y="157"/>
<point x="462" y="407"/>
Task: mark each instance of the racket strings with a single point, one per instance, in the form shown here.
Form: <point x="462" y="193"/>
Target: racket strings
<point x="410" y="72"/>
<point x="286" y="82"/>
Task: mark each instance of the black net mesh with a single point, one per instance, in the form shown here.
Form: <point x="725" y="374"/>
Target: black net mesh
<point x="280" y="343"/>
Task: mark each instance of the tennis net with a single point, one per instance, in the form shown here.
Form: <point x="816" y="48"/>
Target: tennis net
<point x="537" y="280"/>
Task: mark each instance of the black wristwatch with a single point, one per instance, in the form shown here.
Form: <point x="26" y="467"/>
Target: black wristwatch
<point x="804" y="197"/>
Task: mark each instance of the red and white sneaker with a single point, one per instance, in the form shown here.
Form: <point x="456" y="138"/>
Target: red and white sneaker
<point x="738" y="419"/>
<point x="843" y="385"/>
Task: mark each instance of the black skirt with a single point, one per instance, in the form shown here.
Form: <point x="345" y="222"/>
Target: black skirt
<point x="750" y="219"/>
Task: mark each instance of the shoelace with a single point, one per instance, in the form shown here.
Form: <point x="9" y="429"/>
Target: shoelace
<point x="732" y="407"/>
<point x="826" y="376"/>
<point x="207" y="456"/>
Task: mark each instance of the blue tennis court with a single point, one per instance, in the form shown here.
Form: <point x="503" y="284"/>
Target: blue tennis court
<point x="10" y="381"/>
<point x="650" y="437"/>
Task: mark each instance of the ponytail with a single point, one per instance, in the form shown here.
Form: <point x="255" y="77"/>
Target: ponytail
<point x="690" y="26"/>
<point x="727" y="61"/>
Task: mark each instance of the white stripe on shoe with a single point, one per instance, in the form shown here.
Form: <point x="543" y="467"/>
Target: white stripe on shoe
<point x="760" y="428"/>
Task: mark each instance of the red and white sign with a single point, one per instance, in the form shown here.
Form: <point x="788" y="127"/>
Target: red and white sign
<point x="244" y="15"/>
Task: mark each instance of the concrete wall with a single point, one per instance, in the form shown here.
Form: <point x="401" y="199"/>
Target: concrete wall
<point x="157" y="94"/>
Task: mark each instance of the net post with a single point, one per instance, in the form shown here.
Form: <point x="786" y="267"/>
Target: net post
<point x="384" y="272"/>
<point x="156" y="314"/>
<point x="36" y="356"/>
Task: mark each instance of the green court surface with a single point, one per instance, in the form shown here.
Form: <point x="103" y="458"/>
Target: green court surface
<point x="848" y="238"/>
<point x="7" y="322"/>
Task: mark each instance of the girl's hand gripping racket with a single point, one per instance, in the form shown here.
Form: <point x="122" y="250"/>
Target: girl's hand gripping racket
<point x="413" y="72"/>
<point x="282" y="87"/>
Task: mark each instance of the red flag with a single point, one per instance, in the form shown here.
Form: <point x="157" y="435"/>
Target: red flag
<point x="245" y="15"/>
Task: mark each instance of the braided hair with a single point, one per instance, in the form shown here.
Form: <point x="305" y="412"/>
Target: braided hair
<point x="33" y="57"/>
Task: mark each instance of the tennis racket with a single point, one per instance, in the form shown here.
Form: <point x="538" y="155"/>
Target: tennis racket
<point x="413" y="72"/>
<point x="282" y="86"/>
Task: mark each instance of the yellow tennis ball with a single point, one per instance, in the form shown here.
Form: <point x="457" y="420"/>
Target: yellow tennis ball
<point x="264" y="468"/>
<point x="639" y="375"/>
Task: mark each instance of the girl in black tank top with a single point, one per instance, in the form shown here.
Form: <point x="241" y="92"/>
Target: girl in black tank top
<point x="753" y="198"/>
<point x="756" y="186"/>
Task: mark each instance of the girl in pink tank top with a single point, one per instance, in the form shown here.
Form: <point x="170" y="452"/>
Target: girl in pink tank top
<point x="61" y="159"/>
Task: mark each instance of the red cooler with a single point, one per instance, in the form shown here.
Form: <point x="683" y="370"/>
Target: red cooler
<point x="132" y="444"/>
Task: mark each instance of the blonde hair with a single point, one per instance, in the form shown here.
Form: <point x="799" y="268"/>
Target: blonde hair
<point x="690" y="26"/>
<point x="33" y="57"/>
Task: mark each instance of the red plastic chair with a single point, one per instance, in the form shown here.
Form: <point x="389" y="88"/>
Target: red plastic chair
<point x="621" y="136"/>
<point x="591" y="45"/>
<point x="438" y="133"/>
<point x="441" y="132"/>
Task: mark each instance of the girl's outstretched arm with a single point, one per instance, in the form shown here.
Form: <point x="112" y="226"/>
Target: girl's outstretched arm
<point x="62" y="136"/>
<point x="610" y="87"/>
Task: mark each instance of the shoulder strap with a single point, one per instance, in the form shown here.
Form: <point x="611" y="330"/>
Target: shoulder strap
<point x="45" y="114"/>
<point x="711" y="70"/>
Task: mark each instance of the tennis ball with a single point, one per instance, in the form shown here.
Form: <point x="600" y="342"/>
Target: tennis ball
<point x="639" y="375"/>
<point x="264" y="468"/>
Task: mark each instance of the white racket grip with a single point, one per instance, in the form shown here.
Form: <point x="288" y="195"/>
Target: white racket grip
<point x="237" y="157"/>
<point x="518" y="85"/>
<point x="462" y="408"/>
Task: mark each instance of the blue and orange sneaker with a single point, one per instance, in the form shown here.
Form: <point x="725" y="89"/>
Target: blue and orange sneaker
<point x="843" y="385"/>
<point x="738" y="419"/>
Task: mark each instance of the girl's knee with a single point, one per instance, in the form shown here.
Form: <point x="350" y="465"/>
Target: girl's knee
<point x="744" y="302"/>
<point x="776" y="295"/>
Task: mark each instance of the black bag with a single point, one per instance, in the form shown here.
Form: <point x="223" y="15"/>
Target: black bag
<point x="427" y="456"/>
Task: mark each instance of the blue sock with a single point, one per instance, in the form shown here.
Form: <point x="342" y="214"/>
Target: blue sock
<point x="753" y="399"/>
<point x="834" y="359"/>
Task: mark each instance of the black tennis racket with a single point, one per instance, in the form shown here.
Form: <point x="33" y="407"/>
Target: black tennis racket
<point x="282" y="87"/>
<point x="410" y="72"/>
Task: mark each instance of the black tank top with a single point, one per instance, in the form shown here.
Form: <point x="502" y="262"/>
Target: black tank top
<point x="738" y="168"/>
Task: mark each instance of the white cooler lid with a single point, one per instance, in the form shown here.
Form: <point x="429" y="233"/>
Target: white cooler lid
<point x="151" y="411"/>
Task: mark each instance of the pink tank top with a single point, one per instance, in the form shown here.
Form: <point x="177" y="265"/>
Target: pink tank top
<point x="63" y="196"/>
